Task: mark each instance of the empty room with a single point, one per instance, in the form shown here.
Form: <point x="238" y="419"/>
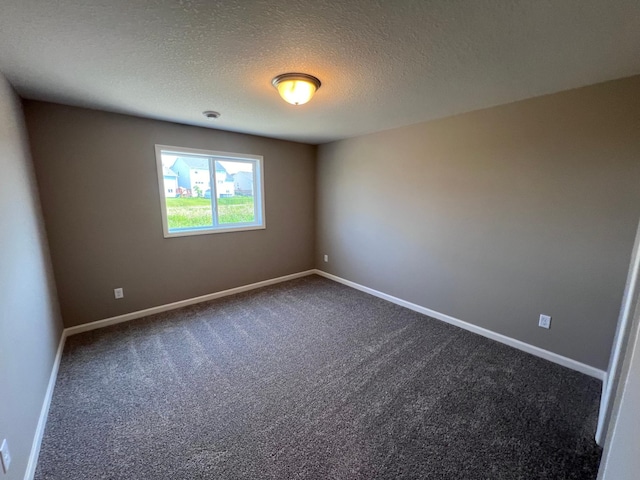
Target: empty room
<point x="323" y="239"/>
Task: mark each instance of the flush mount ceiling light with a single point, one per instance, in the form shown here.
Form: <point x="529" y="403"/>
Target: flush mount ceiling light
<point x="296" y="88"/>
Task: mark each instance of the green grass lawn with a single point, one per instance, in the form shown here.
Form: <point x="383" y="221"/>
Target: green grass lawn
<point x="196" y="212"/>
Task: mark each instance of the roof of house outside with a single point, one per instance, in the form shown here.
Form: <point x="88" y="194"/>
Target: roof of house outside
<point x="194" y="162"/>
<point x="200" y="163"/>
<point x="167" y="172"/>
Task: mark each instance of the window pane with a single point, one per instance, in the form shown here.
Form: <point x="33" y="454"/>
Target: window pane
<point x="187" y="184"/>
<point x="235" y="189"/>
<point x="204" y="191"/>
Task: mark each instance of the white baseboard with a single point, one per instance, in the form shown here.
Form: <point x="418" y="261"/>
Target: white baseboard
<point x="512" y="342"/>
<point x="44" y="412"/>
<point x="539" y="352"/>
<point x="42" y="421"/>
<point x="85" y="327"/>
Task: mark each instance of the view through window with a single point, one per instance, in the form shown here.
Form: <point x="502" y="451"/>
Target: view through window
<point x="208" y="192"/>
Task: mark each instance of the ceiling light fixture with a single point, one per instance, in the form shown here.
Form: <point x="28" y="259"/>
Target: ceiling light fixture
<point x="296" y="88"/>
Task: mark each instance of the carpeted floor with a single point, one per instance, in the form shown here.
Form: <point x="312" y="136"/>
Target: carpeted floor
<point x="310" y="379"/>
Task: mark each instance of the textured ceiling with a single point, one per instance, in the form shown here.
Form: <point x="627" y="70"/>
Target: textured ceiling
<point x="382" y="63"/>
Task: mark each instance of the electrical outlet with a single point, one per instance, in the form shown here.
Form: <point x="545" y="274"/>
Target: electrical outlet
<point x="118" y="292"/>
<point x="545" y="321"/>
<point x="5" y="456"/>
<point x="326" y="258"/>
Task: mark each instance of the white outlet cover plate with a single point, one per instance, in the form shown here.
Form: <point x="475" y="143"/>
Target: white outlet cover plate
<point x="118" y="292"/>
<point x="326" y="258"/>
<point x="545" y="321"/>
<point x="5" y="456"/>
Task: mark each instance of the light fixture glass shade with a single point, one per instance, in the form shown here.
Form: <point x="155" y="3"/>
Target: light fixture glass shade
<point x="296" y="88"/>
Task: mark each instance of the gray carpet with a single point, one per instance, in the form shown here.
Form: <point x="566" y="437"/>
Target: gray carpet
<point x="310" y="379"/>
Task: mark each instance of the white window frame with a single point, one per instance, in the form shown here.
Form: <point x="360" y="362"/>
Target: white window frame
<point x="258" y="190"/>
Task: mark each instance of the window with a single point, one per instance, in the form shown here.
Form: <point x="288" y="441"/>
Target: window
<point x="209" y="192"/>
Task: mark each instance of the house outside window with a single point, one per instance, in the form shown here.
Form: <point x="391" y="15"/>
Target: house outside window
<point x="200" y="194"/>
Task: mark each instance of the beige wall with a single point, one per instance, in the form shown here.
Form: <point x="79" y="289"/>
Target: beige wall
<point x="30" y="325"/>
<point x="496" y="216"/>
<point x="97" y="177"/>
